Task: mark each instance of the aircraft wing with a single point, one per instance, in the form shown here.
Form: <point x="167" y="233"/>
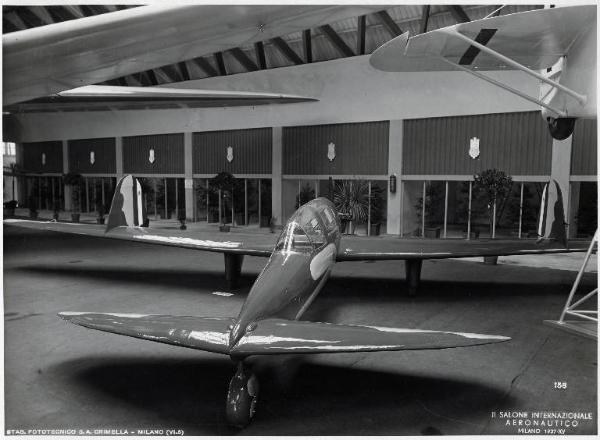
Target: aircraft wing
<point x="48" y="59"/>
<point x="260" y="245"/>
<point x="101" y="97"/>
<point x="208" y="334"/>
<point x="372" y="248"/>
<point x="273" y="336"/>
<point x="277" y="336"/>
<point x="536" y="39"/>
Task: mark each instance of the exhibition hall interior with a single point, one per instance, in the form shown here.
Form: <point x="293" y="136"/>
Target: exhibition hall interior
<point x="300" y="219"/>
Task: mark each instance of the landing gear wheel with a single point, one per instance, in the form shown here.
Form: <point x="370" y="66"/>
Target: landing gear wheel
<point x="242" y="397"/>
<point x="561" y="128"/>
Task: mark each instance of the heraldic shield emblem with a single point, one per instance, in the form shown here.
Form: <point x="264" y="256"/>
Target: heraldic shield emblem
<point x="474" y="148"/>
<point x="331" y="151"/>
<point x="151" y="157"/>
<point x="229" y="154"/>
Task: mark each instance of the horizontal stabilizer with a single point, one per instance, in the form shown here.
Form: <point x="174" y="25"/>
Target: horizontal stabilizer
<point x="276" y="336"/>
<point x="209" y="334"/>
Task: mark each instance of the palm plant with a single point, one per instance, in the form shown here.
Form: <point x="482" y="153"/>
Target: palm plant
<point x="352" y="197"/>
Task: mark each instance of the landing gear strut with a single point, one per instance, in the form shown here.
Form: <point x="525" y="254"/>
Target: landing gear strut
<point x="561" y="128"/>
<point x="242" y="397"/>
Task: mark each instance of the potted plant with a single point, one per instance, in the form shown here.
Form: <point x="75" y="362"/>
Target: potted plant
<point x="182" y="219"/>
<point x="376" y="210"/>
<point x="434" y="200"/>
<point x="351" y="197"/>
<point x="74" y="181"/>
<point x="33" y="209"/>
<point x="226" y="183"/>
<point x="100" y="211"/>
<point x="9" y="208"/>
<point x="55" y="210"/>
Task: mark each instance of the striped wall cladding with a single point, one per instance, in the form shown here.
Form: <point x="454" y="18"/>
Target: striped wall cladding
<point x="92" y="156"/>
<point x="585" y="148"/>
<point x="43" y="157"/>
<point x="516" y="143"/>
<point x="251" y="151"/>
<point x="360" y="149"/>
<point x="153" y="154"/>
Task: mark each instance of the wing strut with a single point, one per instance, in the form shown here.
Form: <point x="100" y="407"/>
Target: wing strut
<point x="505" y="87"/>
<point x="580" y="98"/>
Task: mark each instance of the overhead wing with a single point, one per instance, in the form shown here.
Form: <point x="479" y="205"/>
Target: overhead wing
<point x="101" y="97"/>
<point x="277" y="336"/>
<point x="536" y="39"/>
<point x="208" y="334"/>
<point x="48" y="59"/>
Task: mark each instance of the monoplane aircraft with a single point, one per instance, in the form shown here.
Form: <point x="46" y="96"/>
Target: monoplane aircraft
<point x="299" y="264"/>
<point x="559" y="41"/>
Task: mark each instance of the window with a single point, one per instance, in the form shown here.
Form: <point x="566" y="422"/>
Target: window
<point x="294" y="239"/>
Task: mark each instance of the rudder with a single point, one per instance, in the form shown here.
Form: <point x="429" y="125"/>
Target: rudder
<point x="127" y="207"/>
<point x="552" y="225"/>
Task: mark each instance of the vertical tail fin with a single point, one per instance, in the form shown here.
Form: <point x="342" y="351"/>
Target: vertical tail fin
<point x="552" y="225"/>
<point x="127" y="207"/>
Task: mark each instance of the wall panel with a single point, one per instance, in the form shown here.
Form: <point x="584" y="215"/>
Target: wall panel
<point x="360" y="149"/>
<point x="517" y="143"/>
<point x="104" y="156"/>
<point x="585" y="148"/>
<point x="252" y="151"/>
<point x="51" y="152"/>
<point x="168" y="154"/>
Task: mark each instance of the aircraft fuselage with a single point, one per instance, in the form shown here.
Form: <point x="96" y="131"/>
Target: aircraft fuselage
<point x="297" y="270"/>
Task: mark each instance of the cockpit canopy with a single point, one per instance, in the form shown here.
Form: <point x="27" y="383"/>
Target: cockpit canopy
<point x="303" y="233"/>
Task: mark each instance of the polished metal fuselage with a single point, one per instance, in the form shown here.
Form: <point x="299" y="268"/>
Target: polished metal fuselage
<point x="291" y="280"/>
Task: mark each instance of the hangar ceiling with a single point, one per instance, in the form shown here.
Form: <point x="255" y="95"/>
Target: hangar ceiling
<point x="346" y="38"/>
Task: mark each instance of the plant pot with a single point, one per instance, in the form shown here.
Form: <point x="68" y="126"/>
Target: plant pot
<point x="432" y="233"/>
<point x="375" y="228"/>
<point x="33" y="214"/>
<point x="100" y="220"/>
<point x="75" y="218"/>
<point x="224" y="228"/>
<point x="55" y="216"/>
<point x="490" y="260"/>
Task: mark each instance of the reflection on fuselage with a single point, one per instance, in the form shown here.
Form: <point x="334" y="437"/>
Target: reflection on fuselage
<point x="297" y="270"/>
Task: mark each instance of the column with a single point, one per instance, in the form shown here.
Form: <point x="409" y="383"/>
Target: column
<point x="277" y="172"/>
<point x="65" y="170"/>
<point x="188" y="170"/>
<point x="394" y="216"/>
<point x="119" y="157"/>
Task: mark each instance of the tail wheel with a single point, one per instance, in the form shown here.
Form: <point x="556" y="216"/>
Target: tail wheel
<point x="561" y="128"/>
<point x="242" y="397"/>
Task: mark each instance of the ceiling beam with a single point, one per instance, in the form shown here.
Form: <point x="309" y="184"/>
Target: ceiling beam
<point x="243" y="59"/>
<point x="389" y="23"/>
<point x="424" y="19"/>
<point x="87" y="10"/>
<point x="42" y="14"/>
<point x="29" y="18"/>
<point x="15" y="20"/>
<point x="286" y="50"/>
<point x="75" y="10"/>
<point x="151" y="77"/>
<point x="122" y="81"/>
<point x="185" y="73"/>
<point x="337" y="41"/>
<point x="206" y="66"/>
<point x="459" y="14"/>
<point x="8" y="26"/>
<point x="307" y="45"/>
<point x="60" y="13"/>
<point x="220" y="63"/>
<point x="361" y="36"/>
<point x="171" y="72"/>
<point x="259" y="49"/>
